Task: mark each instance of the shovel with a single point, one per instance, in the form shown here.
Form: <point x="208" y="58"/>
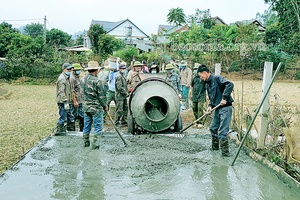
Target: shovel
<point x="208" y="113"/>
<point x="125" y="144"/>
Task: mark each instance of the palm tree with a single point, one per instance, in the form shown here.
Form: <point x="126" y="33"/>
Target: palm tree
<point x="176" y="16"/>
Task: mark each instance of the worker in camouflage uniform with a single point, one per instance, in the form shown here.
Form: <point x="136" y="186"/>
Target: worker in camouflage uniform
<point x="219" y="91"/>
<point x="64" y="101"/>
<point x="133" y="77"/>
<point x="198" y="95"/>
<point x="76" y="94"/>
<point x="176" y="65"/>
<point x="103" y="75"/>
<point x="94" y="102"/>
<point x="173" y="78"/>
<point x="121" y="95"/>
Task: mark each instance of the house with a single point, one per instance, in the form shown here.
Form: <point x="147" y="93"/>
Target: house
<point x="165" y="30"/>
<point x="126" y="31"/>
<point x="260" y="27"/>
<point x="218" y="21"/>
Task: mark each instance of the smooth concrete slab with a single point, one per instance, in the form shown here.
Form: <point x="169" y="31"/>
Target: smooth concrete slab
<point x="151" y="167"/>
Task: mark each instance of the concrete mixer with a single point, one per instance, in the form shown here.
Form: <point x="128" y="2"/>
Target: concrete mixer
<point x="154" y="107"/>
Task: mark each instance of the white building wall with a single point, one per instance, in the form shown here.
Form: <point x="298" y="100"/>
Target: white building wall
<point x="123" y="28"/>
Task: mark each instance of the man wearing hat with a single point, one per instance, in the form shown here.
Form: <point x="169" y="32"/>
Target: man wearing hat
<point x="94" y="102"/>
<point x="186" y="75"/>
<point x="64" y="100"/>
<point x="113" y="70"/>
<point x="121" y="95"/>
<point x="76" y="95"/>
<point x="198" y="95"/>
<point x="173" y="78"/>
<point x="154" y="69"/>
<point x="133" y="77"/>
<point x="219" y="91"/>
<point x="175" y="63"/>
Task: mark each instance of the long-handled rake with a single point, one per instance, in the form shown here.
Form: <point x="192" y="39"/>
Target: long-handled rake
<point x="112" y="121"/>
<point x="197" y="120"/>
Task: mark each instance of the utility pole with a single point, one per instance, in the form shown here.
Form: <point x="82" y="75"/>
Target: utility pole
<point x="265" y="108"/>
<point x="45" y="20"/>
<point x="218" y="69"/>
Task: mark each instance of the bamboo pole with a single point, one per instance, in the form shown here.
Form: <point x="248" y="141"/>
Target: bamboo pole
<point x="256" y="113"/>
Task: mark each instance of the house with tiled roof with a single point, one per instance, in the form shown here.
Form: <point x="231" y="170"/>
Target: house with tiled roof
<point x="260" y="27"/>
<point x="126" y="31"/>
<point x="165" y="30"/>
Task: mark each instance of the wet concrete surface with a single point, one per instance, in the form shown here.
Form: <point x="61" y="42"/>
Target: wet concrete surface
<point x="151" y="167"/>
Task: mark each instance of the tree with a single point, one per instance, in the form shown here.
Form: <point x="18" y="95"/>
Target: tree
<point x="176" y="16"/>
<point x="95" y="31"/>
<point x="268" y="18"/>
<point x="202" y="17"/>
<point x="34" y="30"/>
<point x="108" y="44"/>
<point x="288" y="12"/>
<point x="7" y="33"/>
<point x="57" y="38"/>
<point x="24" y="55"/>
<point x="127" y="54"/>
<point x="272" y="35"/>
<point x="79" y="40"/>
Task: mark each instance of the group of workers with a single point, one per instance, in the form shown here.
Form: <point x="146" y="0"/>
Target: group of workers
<point x="88" y="98"/>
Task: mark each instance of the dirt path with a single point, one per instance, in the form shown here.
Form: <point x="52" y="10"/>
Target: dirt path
<point x="151" y="167"/>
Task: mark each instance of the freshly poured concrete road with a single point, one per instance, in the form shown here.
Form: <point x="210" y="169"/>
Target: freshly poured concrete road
<point x="151" y="167"/>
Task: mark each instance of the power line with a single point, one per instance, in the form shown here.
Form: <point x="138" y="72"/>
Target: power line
<point x="49" y="24"/>
<point x="10" y="20"/>
<point x="52" y="24"/>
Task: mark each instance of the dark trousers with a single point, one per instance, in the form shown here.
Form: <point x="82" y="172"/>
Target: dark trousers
<point x="65" y="116"/>
<point x="110" y="96"/>
<point x="219" y="126"/>
<point x="198" y="110"/>
<point x="121" y="110"/>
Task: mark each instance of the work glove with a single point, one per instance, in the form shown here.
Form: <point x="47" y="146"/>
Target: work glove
<point x="209" y="110"/>
<point x="223" y="102"/>
<point x="66" y="105"/>
<point x="105" y="108"/>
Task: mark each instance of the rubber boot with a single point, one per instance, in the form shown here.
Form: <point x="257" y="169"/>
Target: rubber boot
<point x="95" y="144"/>
<point x="81" y="124"/>
<point x="64" y="129"/>
<point x="224" y="147"/>
<point x="71" y="126"/>
<point x="124" y="120"/>
<point x="215" y="144"/>
<point x="117" y="120"/>
<point x="60" y="129"/>
<point x="86" y="140"/>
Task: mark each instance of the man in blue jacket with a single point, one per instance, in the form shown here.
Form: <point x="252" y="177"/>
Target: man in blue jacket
<point x="219" y="91"/>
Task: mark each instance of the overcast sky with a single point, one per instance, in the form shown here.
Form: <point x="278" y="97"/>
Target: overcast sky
<point x="76" y="15"/>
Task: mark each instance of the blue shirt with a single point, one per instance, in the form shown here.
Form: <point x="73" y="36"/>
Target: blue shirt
<point x="112" y="80"/>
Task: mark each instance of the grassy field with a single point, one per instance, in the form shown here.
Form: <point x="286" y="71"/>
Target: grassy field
<point x="27" y="116"/>
<point x="30" y="113"/>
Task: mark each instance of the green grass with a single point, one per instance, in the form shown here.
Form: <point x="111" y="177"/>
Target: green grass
<point x="27" y="116"/>
<point x="2" y="91"/>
